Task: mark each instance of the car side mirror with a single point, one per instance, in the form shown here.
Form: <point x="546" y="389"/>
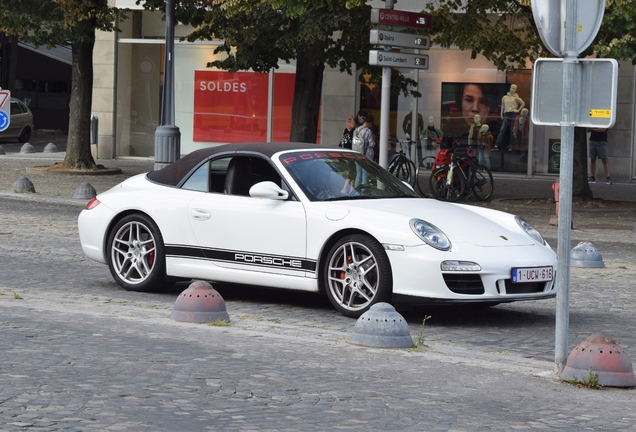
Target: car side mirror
<point x="268" y="189"/>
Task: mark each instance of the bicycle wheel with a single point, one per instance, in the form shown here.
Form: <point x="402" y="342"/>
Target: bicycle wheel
<point x="482" y="182"/>
<point x="402" y="169"/>
<point x="467" y="164"/>
<point x="423" y="173"/>
<point x="442" y="189"/>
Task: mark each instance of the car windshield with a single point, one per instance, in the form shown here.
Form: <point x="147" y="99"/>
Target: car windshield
<point x="337" y="175"/>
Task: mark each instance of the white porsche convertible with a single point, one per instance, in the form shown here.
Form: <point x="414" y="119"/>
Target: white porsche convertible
<point x="313" y="218"/>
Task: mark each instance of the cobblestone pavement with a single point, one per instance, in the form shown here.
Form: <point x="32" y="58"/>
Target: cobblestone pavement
<point x="79" y="353"/>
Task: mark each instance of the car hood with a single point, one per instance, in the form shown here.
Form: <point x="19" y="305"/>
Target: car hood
<point x="461" y="223"/>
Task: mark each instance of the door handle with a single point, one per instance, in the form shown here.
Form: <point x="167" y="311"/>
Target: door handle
<point x="200" y="215"/>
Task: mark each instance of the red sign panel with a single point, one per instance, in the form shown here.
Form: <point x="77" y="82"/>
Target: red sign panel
<point x="232" y="107"/>
<point x="400" y="18"/>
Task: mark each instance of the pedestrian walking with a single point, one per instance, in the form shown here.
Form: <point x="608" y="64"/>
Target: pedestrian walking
<point x="598" y="149"/>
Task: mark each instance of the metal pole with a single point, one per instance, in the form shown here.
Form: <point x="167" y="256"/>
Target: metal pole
<point x="270" y="105"/>
<point x="167" y="135"/>
<point x="565" y="191"/>
<point x="385" y="106"/>
<point x="414" y="123"/>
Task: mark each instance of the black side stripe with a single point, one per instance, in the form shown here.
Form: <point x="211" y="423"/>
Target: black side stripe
<point x="241" y="257"/>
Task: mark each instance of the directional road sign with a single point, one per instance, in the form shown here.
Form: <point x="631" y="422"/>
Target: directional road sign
<point x="404" y="40"/>
<point x="400" y="18"/>
<point x="5" y="109"/>
<point x="594" y="103"/>
<point x="398" y="59"/>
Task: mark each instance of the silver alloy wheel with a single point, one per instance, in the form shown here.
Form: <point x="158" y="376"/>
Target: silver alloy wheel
<point x="353" y="276"/>
<point x="133" y="252"/>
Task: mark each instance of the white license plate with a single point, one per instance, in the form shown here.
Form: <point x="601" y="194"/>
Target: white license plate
<point x="532" y="274"/>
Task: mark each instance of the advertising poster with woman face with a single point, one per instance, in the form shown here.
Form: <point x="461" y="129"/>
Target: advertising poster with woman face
<point x="461" y="102"/>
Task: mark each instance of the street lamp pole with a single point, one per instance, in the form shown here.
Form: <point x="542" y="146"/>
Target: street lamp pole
<point x="167" y="135"/>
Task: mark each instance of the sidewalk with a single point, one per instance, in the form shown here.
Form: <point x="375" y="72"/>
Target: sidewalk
<point x="511" y="193"/>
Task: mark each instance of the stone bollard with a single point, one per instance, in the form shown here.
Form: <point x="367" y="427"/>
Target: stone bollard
<point x="199" y="303"/>
<point x="23" y="185"/>
<point x="382" y="326"/>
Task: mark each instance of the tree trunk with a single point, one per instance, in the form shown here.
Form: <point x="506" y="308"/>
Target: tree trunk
<point x="580" y="187"/>
<point x="78" y="148"/>
<point x="306" y="104"/>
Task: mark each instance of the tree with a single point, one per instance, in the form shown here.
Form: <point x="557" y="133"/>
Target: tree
<point x="63" y="22"/>
<point x="257" y="34"/>
<point x="509" y="38"/>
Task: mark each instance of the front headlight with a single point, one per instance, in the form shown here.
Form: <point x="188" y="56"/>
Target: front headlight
<point x="530" y="230"/>
<point x="432" y="235"/>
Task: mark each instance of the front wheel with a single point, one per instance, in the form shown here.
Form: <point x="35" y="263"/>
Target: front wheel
<point x="444" y="189"/>
<point x="357" y="275"/>
<point x="483" y="183"/>
<point x="403" y="169"/>
<point x="136" y="255"/>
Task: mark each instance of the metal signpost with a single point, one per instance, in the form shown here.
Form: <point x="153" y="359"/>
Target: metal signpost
<point x="392" y="17"/>
<point x="397" y="59"/>
<point x="5" y="109"/>
<point x="566" y="31"/>
<point x="387" y="59"/>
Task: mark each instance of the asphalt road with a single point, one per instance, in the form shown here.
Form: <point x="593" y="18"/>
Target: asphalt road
<point x="79" y="353"/>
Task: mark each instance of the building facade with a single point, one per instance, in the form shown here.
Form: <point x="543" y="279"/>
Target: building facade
<point x="214" y="107"/>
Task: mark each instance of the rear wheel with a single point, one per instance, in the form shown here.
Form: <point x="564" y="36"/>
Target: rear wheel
<point x="25" y="135"/>
<point x="136" y="255"/>
<point x="445" y="190"/>
<point x="357" y="275"/>
<point x="483" y="183"/>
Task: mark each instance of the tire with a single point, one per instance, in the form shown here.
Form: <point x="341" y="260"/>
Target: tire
<point x="403" y="169"/>
<point x="136" y="255"/>
<point x="441" y="190"/>
<point x="357" y="274"/>
<point x="482" y="183"/>
<point x="25" y="136"/>
<point x="423" y="174"/>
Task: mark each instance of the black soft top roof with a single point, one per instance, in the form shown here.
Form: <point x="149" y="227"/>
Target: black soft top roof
<point x="173" y="173"/>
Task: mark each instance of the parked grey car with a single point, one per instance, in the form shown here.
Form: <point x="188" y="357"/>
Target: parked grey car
<point x="21" y="126"/>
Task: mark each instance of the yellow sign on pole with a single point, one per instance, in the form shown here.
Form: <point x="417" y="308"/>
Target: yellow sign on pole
<point x="600" y="113"/>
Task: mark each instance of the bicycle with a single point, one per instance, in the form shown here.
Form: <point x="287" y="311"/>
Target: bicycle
<point x="449" y="182"/>
<point x="400" y="165"/>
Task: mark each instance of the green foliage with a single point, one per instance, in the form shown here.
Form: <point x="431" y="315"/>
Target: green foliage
<point x="617" y="37"/>
<point x="421" y="340"/>
<point x="55" y="22"/>
<point x="591" y="381"/>
<point x="259" y="33"/>
<point x="505" y="33"/>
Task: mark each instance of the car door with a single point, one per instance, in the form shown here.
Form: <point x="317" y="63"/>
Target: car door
<point x="256" y="234"/>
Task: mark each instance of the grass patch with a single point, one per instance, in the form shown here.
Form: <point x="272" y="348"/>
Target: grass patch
<point x="17" y="296"/>
<point x="421" y="339"/>
<point x="591" y="381"/>
<point x="219" y="322"/>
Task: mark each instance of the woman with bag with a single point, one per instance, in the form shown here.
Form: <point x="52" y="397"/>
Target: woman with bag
<point x="363" y="142"/>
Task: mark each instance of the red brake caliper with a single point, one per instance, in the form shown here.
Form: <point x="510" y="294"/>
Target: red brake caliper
<point x="151" y="255"/>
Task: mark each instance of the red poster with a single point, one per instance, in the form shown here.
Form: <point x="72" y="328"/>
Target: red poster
<point x="232" y="107"/>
